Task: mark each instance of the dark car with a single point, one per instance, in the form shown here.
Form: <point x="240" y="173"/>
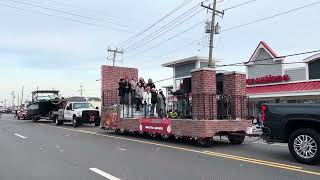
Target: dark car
<point x="295" y="124"/>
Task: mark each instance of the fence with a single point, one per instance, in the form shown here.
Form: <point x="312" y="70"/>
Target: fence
<point x="201" y="106"/>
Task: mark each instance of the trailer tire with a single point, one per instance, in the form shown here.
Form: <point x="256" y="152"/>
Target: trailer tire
<point x="75" y="123"/>
<point x="57" y="122"/>
<point x="205" y="142"/>
<point x="34" y="119"/>
<point x="97" y="124"/>
<point x="310" y="138"/>
<point x="236" y="139"/>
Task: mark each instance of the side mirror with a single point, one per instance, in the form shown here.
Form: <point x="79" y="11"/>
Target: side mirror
<point x="97" y="108"/>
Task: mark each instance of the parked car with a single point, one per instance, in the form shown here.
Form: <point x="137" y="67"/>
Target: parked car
<point x="22" y="114"/>
<point x="78" y="113"/>
<point x="295" y="124"/>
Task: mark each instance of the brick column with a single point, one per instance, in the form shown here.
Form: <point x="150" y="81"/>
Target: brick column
<point x="110" y="76"/>
<point x="204" y="104"/>
<point x="234" y="85"/>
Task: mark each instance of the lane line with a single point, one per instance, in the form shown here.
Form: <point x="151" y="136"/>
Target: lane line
<point x="104" y="174"/>
<point x="209" y="153"/>
<point x="274" y="144"/>
<point x="19" y="135"/>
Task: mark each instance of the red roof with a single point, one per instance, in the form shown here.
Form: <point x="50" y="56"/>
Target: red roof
<point x="289" y="87"/>
<point x="266" y="47"/>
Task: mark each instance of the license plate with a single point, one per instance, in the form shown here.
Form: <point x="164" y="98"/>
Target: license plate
<point x="249" y="130"/>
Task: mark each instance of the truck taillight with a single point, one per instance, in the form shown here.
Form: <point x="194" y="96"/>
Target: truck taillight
<point x="263" y="109"/>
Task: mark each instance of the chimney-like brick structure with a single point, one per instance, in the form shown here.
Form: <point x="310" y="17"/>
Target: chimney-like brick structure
<point x="204" y="104"/>
<point x="234" y="85"/>
<point x="110" y="77"/>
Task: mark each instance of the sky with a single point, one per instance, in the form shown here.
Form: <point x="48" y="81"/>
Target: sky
<point x="57" y="44"/>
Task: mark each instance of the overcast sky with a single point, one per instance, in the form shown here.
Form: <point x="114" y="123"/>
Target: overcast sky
<point x="57" y="44"/>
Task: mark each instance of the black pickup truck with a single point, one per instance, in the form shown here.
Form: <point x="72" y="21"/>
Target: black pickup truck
<point x="295" y="124"/>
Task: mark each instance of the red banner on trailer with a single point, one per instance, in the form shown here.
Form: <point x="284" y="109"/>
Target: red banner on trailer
<point x="155" y="125"/>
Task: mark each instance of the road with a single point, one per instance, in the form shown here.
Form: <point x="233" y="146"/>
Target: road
<point x="44" y="151"/>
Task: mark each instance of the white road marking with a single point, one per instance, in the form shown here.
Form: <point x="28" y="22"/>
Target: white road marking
<point x="122" y="149"/>
<point x="273" y="144"/>
<point x="19" y="135"/>
<point x="104" y="174"/>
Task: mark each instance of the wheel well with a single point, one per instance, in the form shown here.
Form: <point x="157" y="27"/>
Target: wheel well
<point x="294" y="125"/>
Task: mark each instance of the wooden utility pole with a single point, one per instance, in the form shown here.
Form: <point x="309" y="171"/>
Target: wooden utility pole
<point x="81" y="90"/>
<point x="114" y="54"/>
<point x="212" y="29"/>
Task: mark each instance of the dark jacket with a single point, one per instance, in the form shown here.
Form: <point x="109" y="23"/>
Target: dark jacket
<point x="154" y="97"/>
<point x="180" y="93"/>
<point x="151" y="85"/>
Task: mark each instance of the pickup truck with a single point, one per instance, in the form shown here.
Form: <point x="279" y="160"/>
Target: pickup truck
<point x="78" y="113"/>
<point x="295" y="124"/>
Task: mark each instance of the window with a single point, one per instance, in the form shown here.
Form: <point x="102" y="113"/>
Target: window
<point x="70" y="107"/>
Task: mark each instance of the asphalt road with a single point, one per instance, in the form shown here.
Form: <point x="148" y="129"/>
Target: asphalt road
<point x="44" y="151"/>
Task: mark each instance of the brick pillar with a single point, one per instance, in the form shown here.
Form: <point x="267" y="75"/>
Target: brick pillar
<point x="234" y="85"/>
<point x="204" y="104"/>
<point x="110" y="76"/>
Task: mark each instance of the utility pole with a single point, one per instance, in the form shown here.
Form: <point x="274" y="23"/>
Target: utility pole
<point x="18" y="100"/>
<point x="114" y="54"/>
<point x="81" y="90"/>
<point x="5" y="103"/>
<point x="22" y="94"/>
<point x="13" y="97"/>
<point x="212" y="29"/>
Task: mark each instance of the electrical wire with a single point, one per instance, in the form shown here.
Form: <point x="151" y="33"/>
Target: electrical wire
<point x="157" y="22"/>
<point x="156" y="37"/>
<point x="270" y="17"/>
<point x="239" y="5"/>
<point x="172" y="37"/>
<point x="61" y="11"/>
<point x="171" y="23"/>
<point x="242" y="63"/>
<point x="52" y="15"/>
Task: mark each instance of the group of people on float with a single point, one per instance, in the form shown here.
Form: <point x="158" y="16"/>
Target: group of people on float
<point x="143" y="95"/>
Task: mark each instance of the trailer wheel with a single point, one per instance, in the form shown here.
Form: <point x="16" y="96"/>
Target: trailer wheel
<point x="97" y="123"/>
<point x="75" y="123"/>
<point x="236" y="139"/>
<point x="205" y="142"/>
<point x="34" y="119"/>
<point x="57" y="122"/>
<point x="304" y="145"/>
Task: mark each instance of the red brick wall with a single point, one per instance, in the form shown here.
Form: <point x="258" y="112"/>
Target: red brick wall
<point x="110" y="76"/>
<point x="234" y="84"/>
<point x="192" y="128"/>
<point x="204" y="105"/>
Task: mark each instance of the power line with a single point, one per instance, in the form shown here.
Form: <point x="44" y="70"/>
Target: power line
<point x="59" y="11"/>
<point x="156" y="37"/>
<point x="270" y="17"/>
<point x="158" y="21"/>
<point x="100" y="13"/>
<point x="239" y="5"/>
<point x="63" y="17"/>
<point x="242" y="64"/>
<point x="172" y="37"/>
<point x="171" y="23"/>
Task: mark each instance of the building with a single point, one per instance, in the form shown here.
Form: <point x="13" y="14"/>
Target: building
<point x="268" y="81"/>
<point x="182" y="68"/>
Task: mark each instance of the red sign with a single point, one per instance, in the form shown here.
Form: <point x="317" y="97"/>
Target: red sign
<point x="155" y="125"/>
<point x="268" y="79"/>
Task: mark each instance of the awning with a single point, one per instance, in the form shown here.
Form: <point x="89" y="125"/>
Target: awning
<point x="287" y="89"/>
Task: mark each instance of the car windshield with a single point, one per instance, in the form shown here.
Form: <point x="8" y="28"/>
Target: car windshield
<point x="82" y="106"/>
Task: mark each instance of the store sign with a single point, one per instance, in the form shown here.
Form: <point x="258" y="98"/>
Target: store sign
<point x="155" y="125"/>
<point x="267" y="79"/>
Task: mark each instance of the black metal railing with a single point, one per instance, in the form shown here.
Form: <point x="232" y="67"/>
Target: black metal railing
<point x="208" y="105"/>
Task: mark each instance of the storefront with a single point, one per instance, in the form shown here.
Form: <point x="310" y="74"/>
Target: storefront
<point x="269" y="82"/>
